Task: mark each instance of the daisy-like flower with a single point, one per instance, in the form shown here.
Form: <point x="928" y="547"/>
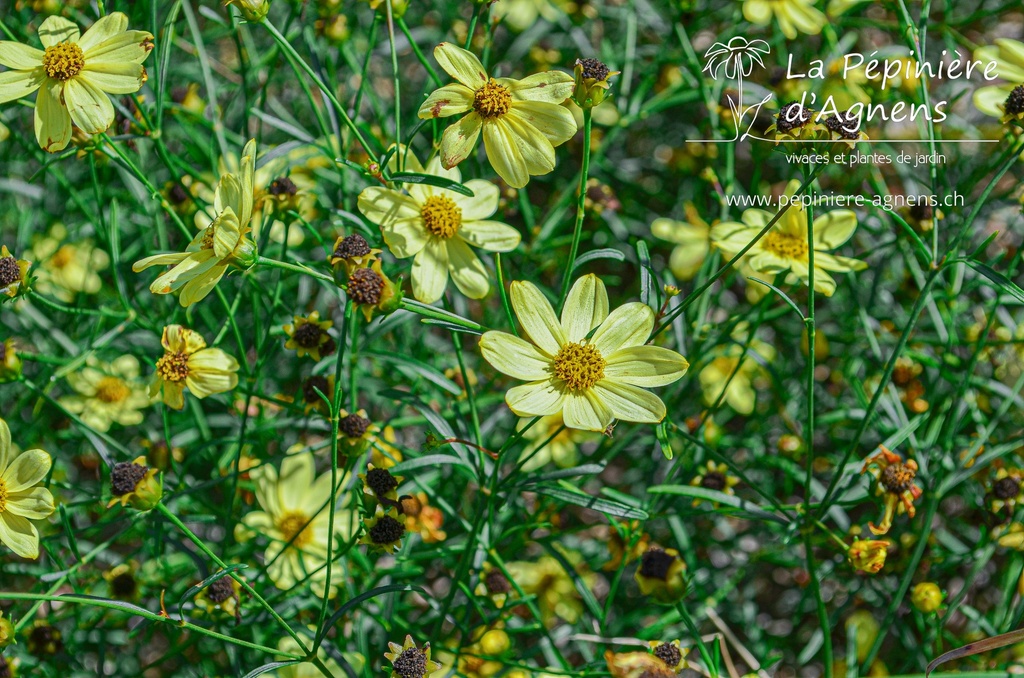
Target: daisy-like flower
<point x="493" y="584"/>
<point x="736" y="371"/>
<point x="522" y="120"/>
<point x="384" y="531"/>
<point x="793" y="16"/>
<point x="296" y="518"/>
<point x="557" y="597"/>
<point x="13" y="273"/>
<point x="795" y="122"/>
<point x="436" y="227"/>
<point x="123" y="583"/>
<point x="21" y="501"/>
<point x="224" y="242"/>
<point x="107" y="393"/>
<point x="671" y="653"/>
<point x="356" y="430"/>
<point x="380" y="485"/>
<point x="785" y="246"/>
<point x="136" y="484"/>
<point x="661" y="575"/>
<point x="867" y="556"/>
<point x="591" y="365"/>
<point x="308" y="336"/>
<point x="1007" y="489"/>
<point x="188" y="362"/>
<point x="371" y="291"/>
<point x="692" y="239"/>
<point x="590" y="82"/>
<point x="311" y="399"/>
<point x="1005" y="100"/>
<point x="67" y="268"/>
<point x="221" y="596"/>
<point x="352" y="252"/>
<point x="845" y="126"/>
<point x="74" y="73"/>
<point x="410" y="661"/>
<point x="896" y="481"/>
<point x="715" y="477"/>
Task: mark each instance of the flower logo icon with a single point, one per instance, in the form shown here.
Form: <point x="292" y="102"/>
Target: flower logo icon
<point x="737" y="58"/>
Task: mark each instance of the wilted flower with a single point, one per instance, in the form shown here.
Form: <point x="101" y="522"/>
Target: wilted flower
<point x="221" y="596"/>
<point x="590" y="78"/>
<point x="422" y="518"/>
<point x="636" y="665"/>
<point x="896" y="481"/>
<point x="371" y="291"/>
<point x="136" y="484"/>
<point x="867" y="556"/>
<point x="1007" y="489"/>
<point x="671" y="653"/>
<point x="351" y="252"/>
<point x="356" y="431"/>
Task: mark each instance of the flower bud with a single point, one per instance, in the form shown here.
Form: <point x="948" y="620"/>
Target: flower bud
<point x="245" y="255"/>
<point x="926" y="597"/>
<point x="591" y="82"/>
<point x="6" y="631"/>
<point x="136" y="484"/>
<point x="252" y="10"/>
<point x="867" y="556"/>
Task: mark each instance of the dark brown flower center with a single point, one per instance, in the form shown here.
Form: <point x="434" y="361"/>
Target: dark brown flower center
<point x="655" y="564"/>
<point x="311" y="386"/>
<point x="898" y="478"/>
<point x="496" y="582"/>
<point x="594" y="69"/>
<point x="669" y="653"/>
<point x="412" y="663"/>
<point x="282" y="186"/>
<point x="173" y="367"/>
<point x="713" y="480"/>
<point x="844" y="124"/>
<point x="1015" y="102"/>
<point x="353" y="245"/>
<point x="10" y="272"/>
<point x="380" y="481"/>
<point x="1006" y="488"/>
<point x="124" y="585"/>
<point x="220" y="590"/>
<point x="125" y="477"/>
<point x="308" y="335"/>
<point x="791" y="116"/>
<point x="354" y="426"/>
<point x="387" y="530"/>
<point x="365" y="286"/>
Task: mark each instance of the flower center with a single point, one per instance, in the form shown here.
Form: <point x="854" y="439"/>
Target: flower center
<point x="353" y="245"/>
<point x="3" y="495"/>
<point x="112" y="390"/>
<point x="785" y="245"/>
<point x="1006" y="488"/>
<point x="365" y="286"/>
<point x="353" y="426"/>
<point x="713" y="480"/>
<point x="655" y="563"/>
<point x="1014" y="104"/>
<point x="125" y="476"/>
<point x="62" y="257"/>
<point x="64" y="61"/>
<point x="492" y="100"/>
<point x="220" y="590"/>
<point x="208" y="234"/>
<point x="670" y="654"/>
<point x="294" y="528"/>
<point x="173" y="367"/>
<point x="412" y="663"/>
<point x="579" y="366"/>
<point x="380" y="481"/>
<point x="897" y="478"/>
<point x="9" y="271"/>
<point x="307" y="335"/>
<point x="387" y="531"/>
<point x="441" y="216"/>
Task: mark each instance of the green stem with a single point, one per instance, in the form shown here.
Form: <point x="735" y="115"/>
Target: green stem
<point x="705" y="655"/>
<point x="580" y="206"/>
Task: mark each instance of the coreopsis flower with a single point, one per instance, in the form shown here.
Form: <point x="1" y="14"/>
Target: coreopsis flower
<point x="1007" y="489"/>
<point x="715" y="477"/>
<point x="845" y="126"/>
<point x="999" y="101"/>
<point x="311" y="399"/>
<point x="371" y="291"/>
<point x="410" y="661"/>
<point x="308" y="336"/>
<point x="107" y="393"/>
<point x="134" y="483"/>
<point x="736" y="371"/>
<point x="44" y="640"/>
<point x="867" y="556"/>
<point x="896" y="481"/>
<point x="590" y="365"/>
<point x="21" y="501"/>
<point x="557" y="597"/>
<point x="522" y="14"/>
<point x="380" y="485"/>
<point x="550" y="440"/>
<point x="74" y="73"/>
<point x="926" y="597"/>
<point x="671" y="653"/>
<point x="188" y="362"/>
<point x="692" y="239"/>
<point x="493" y="584"/>
<point x="796" y="122"/>
<point x="793" y="16"/>
<point x="65" y="269"/>
<point x="222" y="596"/>
<point x="661" y="575"/>
<point x="521" y="120"/>
<point x="295" y="517"/>
<point x="222" y="243"/>
<point x="421" y="518"/>
<point x="10" y="361"/>
<point x="356" y="431"/>
<point x="437" y="226"/>
<point x="481" y="658"/>
<point x="784" y="247"/>
<point x="590" y="82"/>
<point x="351" y="252"/>
<point x="384" y="530"/>
<point x="13" y="273"/>
<point x="122" y="581"/>
<point x="1012" y="537"/>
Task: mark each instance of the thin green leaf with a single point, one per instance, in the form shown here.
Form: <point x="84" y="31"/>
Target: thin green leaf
<point x="718" y="497"/>
<point x="431" y="180"/>
<point x="605" y="506"/>
<point x="606" y="253"/>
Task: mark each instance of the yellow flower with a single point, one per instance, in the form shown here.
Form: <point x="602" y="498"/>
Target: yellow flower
<point x="736" y="371"/>
<point x="355" y="430"/>
<point x="692" y="238"/>
<point x="371" y="291"/>
<point x="221" y="596"/>
<point x="74" y="74"/>
<point x="661" y="575"/>
<point x="636" y="665"/>
<point x="132" y="482"/>
<point x="1006" y="489"/>
<point x="67" y="268"/>
<point x="308" y="336"/>
<point x="222" y="243"/>
<point x="793" y="16"/>
<point x="436" y="227"/>
<point x="994" y="100"/>
<point x="549" y="440"/>
<point x="13" y="273"/>
<point x="6" y="634"/>
<point x="522" y="120"/>
<point x="410" y="661"/>
<point x="896" y="481"/>
<point x="480" y="659"/>
<point x="188" y="362"/>
<point x="867" y="556"/>
<point x="926" y="597"/>
<point x="591" y="379"/>
<point x="20" y="501"/>
<point x="785" y="246"/>
<point x="107" y="393"/>
<point x="295" y="517"/>
<point x="422" y="518"/>
<point x="715" y="477"/>
<point x="522" y="14"/>
<point x="672" y="654"/>
<point x="122" y="581"/>
<point x="384" y="531"/>
<point x="557" y="597"/>
<point x="380" y="485"/>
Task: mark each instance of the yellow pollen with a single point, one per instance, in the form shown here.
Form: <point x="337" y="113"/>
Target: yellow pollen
<point x="492" y="100"/>
<point x="62" y="257"/>
<point x="63" y="61"/>
<point x="293" y="527"/>
<point x="3" y="495"/>
<point x="441" y="216"/>
<point x="173" y="367"/>
<point x="208" y="234"/>
<point x="112" y="390"/>
<point x="785" y="245"/>
<point x="580" y="366"/>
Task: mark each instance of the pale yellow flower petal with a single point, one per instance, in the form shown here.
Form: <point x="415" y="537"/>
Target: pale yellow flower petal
<point x="536" y="150"/>
<point x="128" y="47"/>
<point x="27" y="469"/>
<point x="89" y="107"/>
<point x="514" y="356"/>
<point x="459" y="140"/>
<point x="52" y="120"/>
<point x="645" y="366"/>
<point x="105" y="28"/>
<point x="806" y="18"/>
<point x="986" y="99"/>
<point x="448" y="100"/>
<point x="19" y="535"/>
<point x="382" y="206"/>
<point x="227" y="232"/>
<point x="757" y="11"/>
<point x="492" y="236"/>
<point x="555" y="122"/>
<point x="585" y="410"/>
<point x="535" y="399"/>
<point x="159" y="260"/>
<point x="405" y="237"/>
<point x="18" y="56"/>
<point x="686" y="260"/>
<point x="834" y="228"/>
<point x="680" y="232"/>
<point x="199" y="287"/>
<point x="196" y="264"/>
<point x="430" y="271"/>
<point x="461" y="65"/>
<point x="296" y="479"/>
<point x="482" y="204"/>
<point x="585" y="307"/>
<point x="537" y="317"/>
<point x="18" y="84"/>
<point x="628" y="325"/>
<point x="467" y="271"/>
<point x="551" y="87"/>
<point x="834" y="262"/>
<point x="504" y="153"/>
<point x="5" y="445"/>
<point x="630" y="403"/>
<point x="172" y="395"/>
<point x="34" y="504"/>
<point x="57" y="29"/>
